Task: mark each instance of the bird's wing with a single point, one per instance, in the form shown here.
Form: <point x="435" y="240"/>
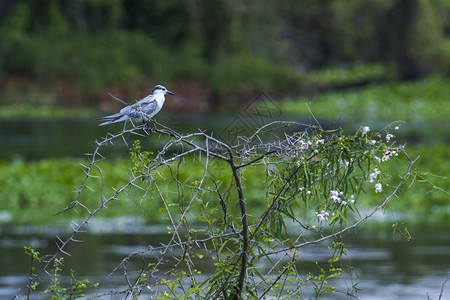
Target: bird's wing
<point x="146" y="106"/>
<point x="132" y="111"/>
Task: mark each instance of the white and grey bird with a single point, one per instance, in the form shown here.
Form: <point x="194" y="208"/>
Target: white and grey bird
<point x="144" y="109"/>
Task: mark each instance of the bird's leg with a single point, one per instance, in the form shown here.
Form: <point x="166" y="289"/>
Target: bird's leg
<point x="145" y="122"/>
<point x="147" y="127"/>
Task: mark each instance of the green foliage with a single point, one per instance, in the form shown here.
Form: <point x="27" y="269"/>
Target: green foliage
<point x="25" y="198"/>
<point x="139" y="159"/>
<point x="34" y="259"/>
<point x="175" y="290"/>
<point x="247" y="72"/>
<point x="332" y="76"/>
<point x="129" y="61"/>
<point x="425" y="100"/>
<point x="33" y="254"/>
<point x="418" y="39"/>
<point x="430" y="193"/>
<point x="56" y="23"/>
<point x="26" y="201"/>
<point x="54" y="289"/>
<point x="320" y="281"/>
<point x="85" y="48"/>
<point x="91" y="69"/>
<point x="38" y="108"/>
<point x="75" y="289"/>
<point x="14" y="26"/>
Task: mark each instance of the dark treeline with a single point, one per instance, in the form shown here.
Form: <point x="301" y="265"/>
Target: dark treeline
<point x="224" y="45"/>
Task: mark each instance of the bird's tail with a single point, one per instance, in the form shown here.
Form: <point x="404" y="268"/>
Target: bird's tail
<point x="112" y="119"/>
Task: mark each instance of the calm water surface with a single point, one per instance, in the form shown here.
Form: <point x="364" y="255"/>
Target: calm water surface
<point x="35" y="139"/>
<point x="388" y="266"/>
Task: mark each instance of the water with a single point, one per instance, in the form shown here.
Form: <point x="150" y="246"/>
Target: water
<point x="22" y="139"/>
<point x="388" y="266"/>
<point x="39" y="138"/>
<point x="35" y="139"/>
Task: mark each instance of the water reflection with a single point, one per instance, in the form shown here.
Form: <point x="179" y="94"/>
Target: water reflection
<point x="388" y="266"/>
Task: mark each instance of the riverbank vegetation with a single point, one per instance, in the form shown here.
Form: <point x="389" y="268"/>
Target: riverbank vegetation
<point x="425" y="101"/>
<point x="32" y="192"/>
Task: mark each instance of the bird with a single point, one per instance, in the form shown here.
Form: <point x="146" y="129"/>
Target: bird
<point x="143" y="110"/>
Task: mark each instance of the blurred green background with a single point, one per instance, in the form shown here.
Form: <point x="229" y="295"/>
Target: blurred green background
<point x="350" y="63"/>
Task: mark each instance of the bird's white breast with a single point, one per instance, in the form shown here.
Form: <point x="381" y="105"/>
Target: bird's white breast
<point x="159" y="98"/>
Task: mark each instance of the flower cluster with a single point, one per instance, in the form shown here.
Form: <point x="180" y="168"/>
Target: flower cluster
<point x="389" y="137"/>
<point x="336" y="196"/>
<point x="302" y="189"/>
<point x="376" y="148"/>
<point x="374" y="175"/>
<point x="385" y="157"/>
<point x="323" y="215"/>
<point x="378" y="188"/>
<point x="351" y="200"/>
<point x="304" y="145"/>
<point x="320" y="142"/>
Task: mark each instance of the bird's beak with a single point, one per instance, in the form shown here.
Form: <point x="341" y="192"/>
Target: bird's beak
<point x="169" y="92"/>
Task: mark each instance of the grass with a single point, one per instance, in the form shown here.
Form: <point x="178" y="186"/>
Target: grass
<point x="344" y="75"/>
<point x="426" y="100"/>
<point x="33" y="192"/>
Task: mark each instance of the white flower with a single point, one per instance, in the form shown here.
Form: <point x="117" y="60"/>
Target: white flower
<point x="389" y="137"/>
<point x="304" y="145"/>
<point x="396" y="128"/>
<point x="386" y="156"/>
<point x="374" y="175"/>
<point x="377" y="159"/>
<point x="321" y="141"/>
<point x="365" y="129"/>
<point x="378" y="188"/>
<point x="308" y="192"/>
<point x="335" y="196"/>
<point x="351" y="200"/>
<point x="323" y="215"/>
<point x="347" y="162"/>
<point x="373" y="142"/>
